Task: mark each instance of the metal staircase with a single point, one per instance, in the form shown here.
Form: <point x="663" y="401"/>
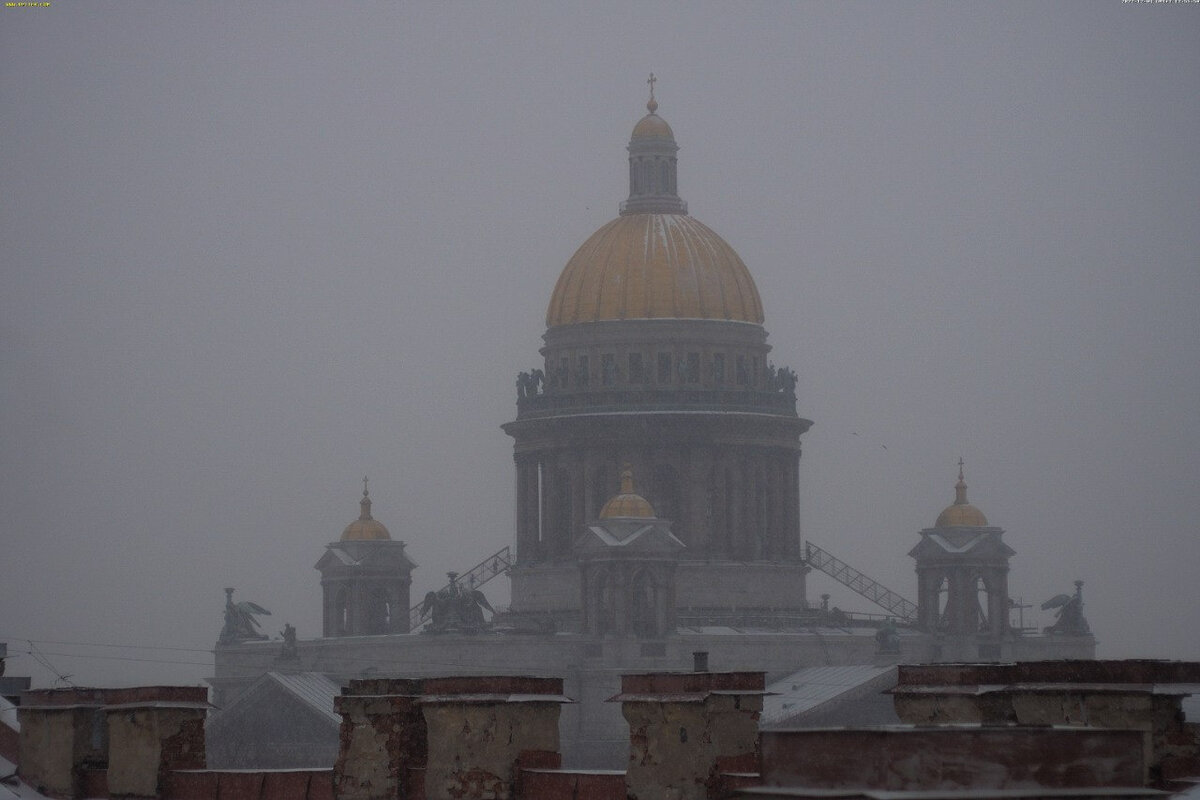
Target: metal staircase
<point x="847" y="575"/>
<point x="473" y="578"/>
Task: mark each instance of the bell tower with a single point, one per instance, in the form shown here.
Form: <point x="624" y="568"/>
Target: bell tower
<point x="365" y="579"/>
<point x="962" y="581"/>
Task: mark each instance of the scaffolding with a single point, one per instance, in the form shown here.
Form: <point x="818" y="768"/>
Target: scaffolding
<point x="847" y="575"/>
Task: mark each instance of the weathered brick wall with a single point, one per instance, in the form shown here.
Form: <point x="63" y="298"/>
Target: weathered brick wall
<point x="382" y="737"/>
<point x="1134" y="694"/>
<point x="72" y="739"/>
<point x="296" y="784"/>
<point x="551" y="784"/>
<point x="687" y="729"/>
<point x="62" y="735"/>
<point x="962" y="758"/>
<point x="482" y="730"/>
<point x="146" y="743"/>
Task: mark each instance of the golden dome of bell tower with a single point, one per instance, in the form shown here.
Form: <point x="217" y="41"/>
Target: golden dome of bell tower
<point x="960" y="512"/>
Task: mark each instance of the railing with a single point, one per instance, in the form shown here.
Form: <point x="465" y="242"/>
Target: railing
<point x="847" y="575"/>
<point x="495" y="564"/>
<point x="600" y="399"/>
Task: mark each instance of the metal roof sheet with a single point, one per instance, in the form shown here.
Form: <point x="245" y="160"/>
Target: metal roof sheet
<point x="810" y="687"/>
<point x="313" y="688"/>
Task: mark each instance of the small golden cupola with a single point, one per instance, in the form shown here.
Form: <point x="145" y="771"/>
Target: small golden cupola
<point x="652" y="165"/>
<point x="628" y="504"/>
<point x="960" y="513"/>
<point x="365" y="528"/>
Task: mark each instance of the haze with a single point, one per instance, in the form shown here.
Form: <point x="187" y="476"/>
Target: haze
<point x="253" y="252"/>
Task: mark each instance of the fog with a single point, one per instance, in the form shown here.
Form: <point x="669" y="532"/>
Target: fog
<point x="253" y="252"/>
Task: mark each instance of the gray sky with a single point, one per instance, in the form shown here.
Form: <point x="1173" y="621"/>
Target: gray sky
<point x="254" y="251"/>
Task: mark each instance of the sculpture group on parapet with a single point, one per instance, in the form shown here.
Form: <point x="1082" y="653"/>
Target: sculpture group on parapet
<point x="887" y="638"/>
<point x="455" y="609"/>
<point x="1070" y="619"/>
<point x="781" y="379"/>
<point x="240" y="624"/>
<point x="529" y="384"/>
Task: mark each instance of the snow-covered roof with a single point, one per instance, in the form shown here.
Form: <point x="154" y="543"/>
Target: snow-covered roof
<point x="808" y="688"/>
<point x="313" y="688"/>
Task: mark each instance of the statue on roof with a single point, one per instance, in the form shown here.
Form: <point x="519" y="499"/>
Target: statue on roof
<point x="455" y="609"/>
<point x="1070" y="619"/>
<point x="240" y="624"/>
<point x="887" y="638"/>
<point x="288" y="652"/>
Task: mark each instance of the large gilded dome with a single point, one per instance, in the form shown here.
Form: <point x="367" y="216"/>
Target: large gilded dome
<point x="654" y="266"/>
<point x="654" y="261"/>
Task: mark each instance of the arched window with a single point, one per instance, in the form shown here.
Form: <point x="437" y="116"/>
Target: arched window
<point x="643" y="606"/>
<point x="943" y="604"/>
<point x="982" y="605"/>
<point x="378" y="612"/>
<point x="341" y="612"/>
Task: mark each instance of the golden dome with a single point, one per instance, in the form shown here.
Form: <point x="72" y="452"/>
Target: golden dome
<point x="652" y="126"/>
<point x="964" y="514"/>
<point x="365" y="528"/>
<point x="654" y="266"/>
<point x="627" y="504"/>
<point x="960" y="512"/>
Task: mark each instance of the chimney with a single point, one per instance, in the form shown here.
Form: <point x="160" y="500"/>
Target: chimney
<point x="383" y="740"/>
<point x="688" y="729"/>
<point x="483" y="730"/>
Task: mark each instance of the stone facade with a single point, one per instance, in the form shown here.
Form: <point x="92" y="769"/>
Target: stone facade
<point x="718" y="456"/>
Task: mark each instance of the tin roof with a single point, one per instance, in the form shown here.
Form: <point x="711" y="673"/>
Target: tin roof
<point x="811" y="687"/>
<point x="312" y="688"/>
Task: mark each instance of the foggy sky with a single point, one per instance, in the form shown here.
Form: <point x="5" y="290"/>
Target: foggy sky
<point x="255" y="251"/>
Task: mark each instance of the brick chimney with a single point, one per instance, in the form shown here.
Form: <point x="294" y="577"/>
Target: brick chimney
<point x="383" y="742"/>
<point x="689" y="730"/>
<point x="483" y="730"/>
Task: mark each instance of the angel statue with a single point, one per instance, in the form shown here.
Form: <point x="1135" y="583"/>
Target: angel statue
<point x="1070" y="614"/>
<point x="240" y="624"/>
<point x="454" y="608"/>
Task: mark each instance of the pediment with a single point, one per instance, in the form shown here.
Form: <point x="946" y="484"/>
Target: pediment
<point x="613" y="536"/>
<point x="961" y="541"/>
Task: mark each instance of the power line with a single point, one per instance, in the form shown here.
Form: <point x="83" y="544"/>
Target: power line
<point x="40" y="658"/>
<point x="108" y="644"/>
<point x="113" y="658"/>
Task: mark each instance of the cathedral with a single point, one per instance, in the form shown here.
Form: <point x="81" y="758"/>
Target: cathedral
<point x="656" y="448"/>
